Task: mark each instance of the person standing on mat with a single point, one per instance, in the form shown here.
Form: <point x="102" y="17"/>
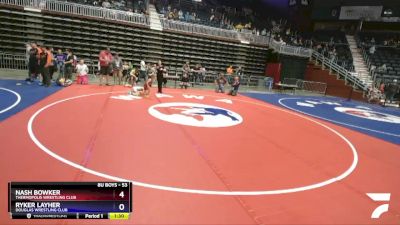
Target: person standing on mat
<point x="143" y="71"/>
<point x="220" y="83"/>
<point x="105" y="59"/>
<point x="46" y="62"/>
<point x="33" y="65"/>
<point x="68" y="65"/>
<point x="160" y="76"/>
<point x="60" y="59"/>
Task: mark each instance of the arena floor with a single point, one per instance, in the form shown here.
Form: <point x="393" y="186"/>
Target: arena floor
<point x="198" y="157"/>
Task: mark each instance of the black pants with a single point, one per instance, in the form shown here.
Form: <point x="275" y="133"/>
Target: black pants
<point x="52" y="69"/>
<point x="33" y="70"/>
<point x="160" y="83"/>
<point x="68" y="72"/>
<point x="46" y="76"/>
<point x="390" y="96"/>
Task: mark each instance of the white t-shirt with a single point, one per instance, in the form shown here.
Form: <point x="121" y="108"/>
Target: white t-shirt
<point x="82" y="70"/>
<point x="142" y="66"/>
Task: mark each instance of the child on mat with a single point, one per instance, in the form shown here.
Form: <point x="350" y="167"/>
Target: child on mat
<point x="185" y="80"/>
<point x="235" y="86"/>
<point x="82" y="71"/>
<point x="145" y="90"/>
<point x="147" y="85"/>
<point x="220" y="83"/>
<point x="137" y="91"/>
<point x="132" y="78"/>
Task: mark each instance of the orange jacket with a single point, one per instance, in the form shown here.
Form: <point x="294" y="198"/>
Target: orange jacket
<point x="49" y="61"/>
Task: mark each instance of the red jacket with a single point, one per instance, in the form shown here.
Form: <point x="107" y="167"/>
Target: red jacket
<point x="105" y="58"/>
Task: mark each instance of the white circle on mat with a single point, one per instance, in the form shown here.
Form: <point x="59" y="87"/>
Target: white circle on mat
<point x="14" y="104"/>
<point x="320" y="184"/>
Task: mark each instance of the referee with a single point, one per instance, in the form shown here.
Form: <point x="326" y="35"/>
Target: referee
<point x="160" y="76"/>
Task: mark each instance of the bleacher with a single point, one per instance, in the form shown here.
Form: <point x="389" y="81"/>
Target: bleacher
<point x="132" y="6"/>
<point x="188" y="8"/>
<point x="86" y="36"/>
<point x="333" y="39"/>
<point x="386" y="54"/>
<point x="380" y="38"/>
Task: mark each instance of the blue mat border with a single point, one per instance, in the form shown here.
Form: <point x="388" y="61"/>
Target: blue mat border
<point x="327" y="113"/>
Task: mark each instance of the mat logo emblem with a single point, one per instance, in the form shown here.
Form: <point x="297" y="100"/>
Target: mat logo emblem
<point x="194" y="114"/>
<point x="380" y="197"/>
<point x="358" y="111"/>
<point x="369" y="114"/>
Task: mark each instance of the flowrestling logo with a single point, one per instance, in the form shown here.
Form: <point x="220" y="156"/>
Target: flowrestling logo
<point x="193" y="114"/>
<point x="369" y="114"/>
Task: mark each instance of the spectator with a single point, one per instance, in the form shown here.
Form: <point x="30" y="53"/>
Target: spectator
<point x="176" y="15"/>
<point x="180" y="13"/>
<point x="220" y="83"/>
<point x="194" y="16"/>
<point x="196" y="73"/>
<point x="281" y="41"/>
<point x="106" y="4"/>
<point x="125" y="69"/>
<point x="187" y="16"/>
<point x="53" y="66"/>
<point x="385" y="43"/>
<point x="239" y="27"/>
<point x="45" y="63"/>
<point x="68" y="65"/>
<point x="143" y="71"/>
<point x="60" y="60"/>
<point x="170" y="15"/>
<point x="239" y="71"/>
<point x="82" y="71"/>
<point x="229" y="72"/>
<point x="212" y="17"/>
<point x="105" y="59"/>
<point x="117" y="68"/>
<point x="383" y="68"/>
<point x="202" y="74"/>
<point x="264" y="32"/>
<point x="184" y="80"/>
<point x="372" y="49"/>
<point x="28" y="48"/>
<point x="163" y="11"/>
<point x="391" y="90"/>
<point x="248" y="26"/>
<point x="332" y="54"/>
<point x="33" y="66"/>
<point x="186" y="69"/>
<point x="382" y="87"/>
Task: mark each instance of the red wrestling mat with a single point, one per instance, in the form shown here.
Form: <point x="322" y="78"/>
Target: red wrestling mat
<point x="197" y="157"/>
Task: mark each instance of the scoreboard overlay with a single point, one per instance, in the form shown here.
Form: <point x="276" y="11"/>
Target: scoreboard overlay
<point x="70" y="200"/>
